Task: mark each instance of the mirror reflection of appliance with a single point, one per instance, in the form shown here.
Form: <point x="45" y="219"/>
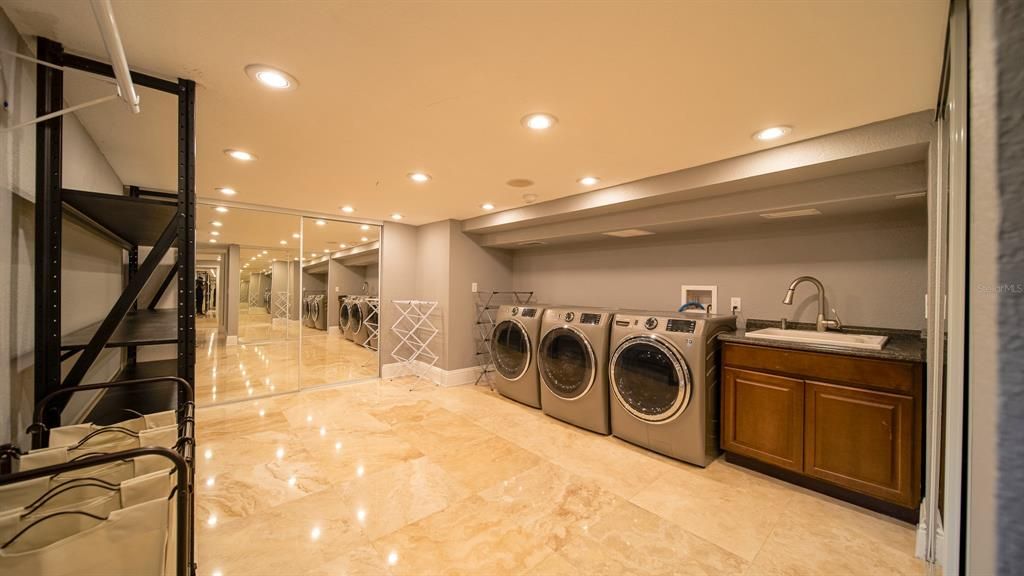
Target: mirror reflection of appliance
<point x="352" y="325"/>
<point x="572" y="360"/>
<point x="664" y="379"/>
<point x="513" y="347"/>
<point x="342" y="313"/>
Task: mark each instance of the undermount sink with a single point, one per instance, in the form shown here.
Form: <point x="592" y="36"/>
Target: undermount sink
<point x="861" y="341"/>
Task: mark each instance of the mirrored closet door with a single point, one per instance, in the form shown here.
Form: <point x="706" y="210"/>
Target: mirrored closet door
<point x="339" y="301"/>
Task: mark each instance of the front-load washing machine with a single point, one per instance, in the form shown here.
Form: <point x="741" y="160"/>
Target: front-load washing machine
<point x="355" y="318"/>
<point x="342" y="314"/>
<point x="513" y="347"/>
<point x="664" y="377"/>
<point x="572" y="360"/>
<point x="362" y="331"/>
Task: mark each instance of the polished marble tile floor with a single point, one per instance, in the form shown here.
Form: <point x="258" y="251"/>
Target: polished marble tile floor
<point x="272" y="358"/>
<point x="402" y="477"/>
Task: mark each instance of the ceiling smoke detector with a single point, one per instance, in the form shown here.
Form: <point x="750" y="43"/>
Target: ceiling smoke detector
<point x="519" y="183"/>
<point x="529" y="198"/>
<point x="629" y="233"/>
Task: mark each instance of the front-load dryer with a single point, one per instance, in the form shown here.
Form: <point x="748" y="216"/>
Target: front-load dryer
<point x="572" y="361"/>
<point x="362" y="331"/>
<point x="664" y="377"/>
<point x="513" y="348"/>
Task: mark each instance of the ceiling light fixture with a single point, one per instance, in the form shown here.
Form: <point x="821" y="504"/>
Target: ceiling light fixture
<point x="772" y="133"/>
<point x="227" y="191"/>
<point x="240" y="154"/>
<point x="396" y="216"/>
<point x="213" y="240"/>
<point x="364" y="227"/>
<point x="419" y="176"/>
<point x="487" y="206"/>
<point x="314" y="254"/>
<point x="221" y="209"/>
<point x="539" y="121"/>
<point x="217" y="223"/>
<point x="283" y="242"/>
<point x="364" y="239"/>
<point x="296" y="235"/>
<point x="271" y="77"/>
<point x="347" y="209"/>
<point x="589" y="180"/>
<point x="344" y="245"/>
<point x="321" y="222"/>
<point x="264" y="252"/>
<point x="214" y="233"/>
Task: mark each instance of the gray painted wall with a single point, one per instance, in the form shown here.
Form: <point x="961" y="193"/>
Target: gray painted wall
<point x="875" y="273"/>
<point x="433" y="279"/>
<point x="491" y="269"/>
<point x="92" y="266"/>
<point x="398" y="278"/>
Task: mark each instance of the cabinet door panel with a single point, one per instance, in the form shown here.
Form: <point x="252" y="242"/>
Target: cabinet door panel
<point x="861" y="440"/>
<point x="763" y="417"/>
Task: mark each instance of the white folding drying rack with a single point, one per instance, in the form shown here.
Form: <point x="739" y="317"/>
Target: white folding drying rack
<point x="372" y="328"/>
<point x="282" y="305"/>
<point x="415" y="332"/>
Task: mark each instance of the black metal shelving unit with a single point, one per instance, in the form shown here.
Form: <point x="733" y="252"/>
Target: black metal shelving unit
<point x="139" y="217"/>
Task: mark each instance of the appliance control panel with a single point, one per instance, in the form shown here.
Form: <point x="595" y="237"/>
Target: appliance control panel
<point x="515" y="310"/>
<point x="651" y="323"/>
<point x="676" y="325"/>
<point x="586" y="318"/>
<point x="569" y="316"/>
<point x="529" y="313"/>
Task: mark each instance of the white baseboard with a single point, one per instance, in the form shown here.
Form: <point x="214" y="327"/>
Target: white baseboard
<point x="434" y="374"/>
<point x="334" y="330"/>
<point x="231" y="340"/>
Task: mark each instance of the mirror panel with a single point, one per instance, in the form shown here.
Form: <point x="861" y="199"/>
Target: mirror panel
<point x="249" y="335"/>
<point x="339" y="280"/>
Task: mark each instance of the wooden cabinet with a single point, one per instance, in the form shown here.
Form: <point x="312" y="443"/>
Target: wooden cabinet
<point x="847" y="425"/>
<point x="763" y="417"/>
<point x="860" y="439"/>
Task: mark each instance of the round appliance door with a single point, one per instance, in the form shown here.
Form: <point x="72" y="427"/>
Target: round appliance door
<point x="650" y="378"/>
<point x="510" y="349"/>
<point x="566" y="362"/>
<point x="356" y="315"/>
<point x="343" y="316"/>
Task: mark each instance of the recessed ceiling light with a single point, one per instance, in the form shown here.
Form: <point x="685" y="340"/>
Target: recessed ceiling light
<point x="419" y="176"/>
<point x="314" y="254"/>
<point x="344" y="245"/>
<point x="792" y="213"/>
<point x="218" y="258"/>
<point x="283" y="242"/>
<point x="772" y="133"/>
<point x="364" y="239"/>
<point x="253" y="258"/>
<point x="264" y="252"/>
<point x="539" y="121"/>
<point x="321" y="222"/>
<point x="227" y="191"/>
<point x="214" y="233"/>
<point x="396" y="216"/>
<point x="221" y="209"/>
<point x="271" y="77"/>
<point x="364" y="227"/>
<point x="213" y="240"/>
<point x="487" y="206"/>
<point x="217" y="223"/>
<point x="347" y="209"/>
<point x="589" y="180"/>
<point x="240" y="155"/>
<point x="296" y="235"/>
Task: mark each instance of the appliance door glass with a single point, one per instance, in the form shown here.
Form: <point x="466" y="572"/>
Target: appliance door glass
<point x="510" y="349"/>
<point x="356" y="315"/>
<point x="566" y="363"/>
<point x="650" y="379"/>
<point x="343" y="316"/>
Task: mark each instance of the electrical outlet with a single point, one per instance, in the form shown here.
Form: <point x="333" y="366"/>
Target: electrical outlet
<point x="474" y="289"/>
<point x="735" y="305"/>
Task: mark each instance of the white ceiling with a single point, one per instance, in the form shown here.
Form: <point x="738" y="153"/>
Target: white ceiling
<point x="387" y="88"/>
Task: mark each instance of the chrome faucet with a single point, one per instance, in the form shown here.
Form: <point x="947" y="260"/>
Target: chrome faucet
<point x="822" y="323"/>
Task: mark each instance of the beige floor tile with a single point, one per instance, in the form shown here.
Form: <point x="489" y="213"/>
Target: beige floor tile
<point x="725" y="505"/>
<point x="818" y="535"/>
<point x="484" y="462"/>
<point x="356" y="561"/>
<point x="400" y="495"/>
<point x="440" y="431"/>
<point x="347" y="454"/>
<point x="631" y="540"/>
<point x="553" y="565"/>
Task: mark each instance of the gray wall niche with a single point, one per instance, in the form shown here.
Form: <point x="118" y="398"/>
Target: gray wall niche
<point x="874" y="271"/>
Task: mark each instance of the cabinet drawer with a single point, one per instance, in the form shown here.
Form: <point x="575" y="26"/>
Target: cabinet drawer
<point x="861" y="440"/>
<point x="879" y="374"/>
<point x="762" y="417"/>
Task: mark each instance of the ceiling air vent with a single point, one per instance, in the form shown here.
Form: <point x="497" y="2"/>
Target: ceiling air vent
<point x="532" y="243"/>
<point x="631" y="233"/>
<point x="791" y="213"/>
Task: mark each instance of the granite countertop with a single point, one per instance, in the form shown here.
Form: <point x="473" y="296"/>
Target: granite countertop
<point x="903" y="345"/>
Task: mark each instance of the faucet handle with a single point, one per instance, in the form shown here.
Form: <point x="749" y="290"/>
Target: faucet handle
<point x="835" y="316"/>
